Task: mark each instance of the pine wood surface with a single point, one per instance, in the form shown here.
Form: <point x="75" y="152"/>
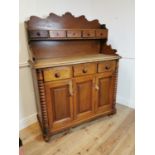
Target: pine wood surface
<point x="111" y="135"/>
<point x="42" y="63"/>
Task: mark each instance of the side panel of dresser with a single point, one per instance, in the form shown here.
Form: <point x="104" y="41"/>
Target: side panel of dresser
<point x="39" y="89"/>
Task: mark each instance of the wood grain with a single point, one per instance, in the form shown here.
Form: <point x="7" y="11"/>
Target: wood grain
<point x="57" y="73"/>
<point x="107" y="66"/>
<point x="68" y="79"/>
<point x="60" y="104"/>
<point x="42" y="63"/>
<point x="84" y="69"/>
<point x="112" y="135"/>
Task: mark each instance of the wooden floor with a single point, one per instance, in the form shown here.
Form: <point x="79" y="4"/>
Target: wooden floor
<point x="110" y="135"/>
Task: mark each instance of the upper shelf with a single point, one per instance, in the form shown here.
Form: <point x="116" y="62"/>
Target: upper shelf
<point x="68" y="34"/>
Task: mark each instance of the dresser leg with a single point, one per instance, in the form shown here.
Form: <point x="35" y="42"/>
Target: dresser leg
<point x="46" y="138"/>
<point x="113" y="112"/>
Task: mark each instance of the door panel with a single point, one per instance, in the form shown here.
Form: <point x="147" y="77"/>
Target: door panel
<point x="104" y="93"/>
<point x="84" y="97"/>
<point x="104" y="89"/>
<point x="59" y="102"/>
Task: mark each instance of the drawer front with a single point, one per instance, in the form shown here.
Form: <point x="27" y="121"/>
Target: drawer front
<point x="38" y="33"/>
<point x="57" y="33"/>
<point x="57" y="73"/>
<point x="102" y="33"/>
<point x="88" y="33"/>
<point x="73" y="33"/>
<point x="84" y="69"/>
<point x="107" y="66"/>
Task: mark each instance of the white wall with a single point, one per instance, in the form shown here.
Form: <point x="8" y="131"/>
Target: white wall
<point x="118" y="16"/>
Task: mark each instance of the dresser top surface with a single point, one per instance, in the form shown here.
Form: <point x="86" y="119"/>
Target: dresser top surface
<point x="53" y="62"/>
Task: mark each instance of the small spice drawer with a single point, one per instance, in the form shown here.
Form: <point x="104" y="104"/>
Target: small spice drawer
<point x="74" y="33"/>
<point x="57" y="33"/>
<point x="106" y="66"/>
<point x="84" y="69"/>
<point x="102" y="33"/>
<point x="57" y="73"/>
<point x="88" y="33"/>
<point x="38" y="34"/>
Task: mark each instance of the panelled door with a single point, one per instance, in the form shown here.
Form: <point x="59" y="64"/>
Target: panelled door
<point x="84" y="97"/>
<point x="60" y="103"/>
<point x="104" y="92"/>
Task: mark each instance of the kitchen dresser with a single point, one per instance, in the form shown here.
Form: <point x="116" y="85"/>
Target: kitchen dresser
<point x="74" y="70"/>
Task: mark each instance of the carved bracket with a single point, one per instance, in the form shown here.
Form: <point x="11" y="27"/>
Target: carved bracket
<point x="107" y="49"/>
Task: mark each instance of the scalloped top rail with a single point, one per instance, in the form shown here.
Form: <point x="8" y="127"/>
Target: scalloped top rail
<point x="65" y="21"/>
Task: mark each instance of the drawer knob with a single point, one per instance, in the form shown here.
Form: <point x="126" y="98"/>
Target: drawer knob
<point x="38" y="33"/>
<point x="57" y="75"/>
<point x="84" y="70"/>
<point x="107" y="67"/>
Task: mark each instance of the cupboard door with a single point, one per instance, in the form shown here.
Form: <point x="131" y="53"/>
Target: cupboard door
<point x="104" y="92"/>
<point x="59" y="102"/>
<point x="84" y="97"/>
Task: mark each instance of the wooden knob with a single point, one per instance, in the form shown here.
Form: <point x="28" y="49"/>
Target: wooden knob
<point x="84" y="70"/>
<point x="107" y="67"/>
<point x="38" y="33"/>
<point x="88" y="34"/>
<point x="57" y="75"/>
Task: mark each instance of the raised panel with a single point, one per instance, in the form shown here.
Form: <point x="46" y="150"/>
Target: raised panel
<point x="84" y="97"/>
<point x="60" y="102"/>
<point x="104" y="93"/>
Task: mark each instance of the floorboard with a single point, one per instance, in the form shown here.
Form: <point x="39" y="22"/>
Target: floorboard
<point x="110" y="135"/>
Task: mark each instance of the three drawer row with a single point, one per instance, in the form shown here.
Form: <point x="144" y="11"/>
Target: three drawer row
<point x="64" y="72"/>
